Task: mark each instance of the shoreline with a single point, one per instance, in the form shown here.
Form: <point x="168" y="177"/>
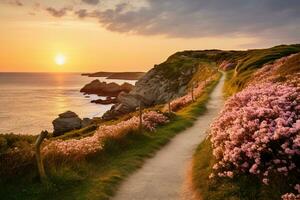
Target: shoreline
<point x="37" y="105"/>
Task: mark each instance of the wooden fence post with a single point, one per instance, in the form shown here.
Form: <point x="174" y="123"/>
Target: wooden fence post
<point x="141" y="116"/>
<point x="193" y="92"/>
<point x="169" y="102"/>
<point x="38" y="157"/>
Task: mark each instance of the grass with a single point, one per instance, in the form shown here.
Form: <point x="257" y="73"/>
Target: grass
<point x="292" y="66"/>
<point x="12" y="140"/>
<point x="99" y="176"/>
<point x="250" y="61"/>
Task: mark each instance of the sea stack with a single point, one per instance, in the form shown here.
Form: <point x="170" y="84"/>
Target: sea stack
<point x="66" y="121"/>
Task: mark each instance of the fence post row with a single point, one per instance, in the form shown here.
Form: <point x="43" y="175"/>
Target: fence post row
<point x="193" y="92"/>
<point x="141" y="116"/>
<point x="169" y="102"/>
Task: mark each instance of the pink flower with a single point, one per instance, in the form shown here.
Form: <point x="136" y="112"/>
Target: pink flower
<point x="265" y="181"/>
<point x="290" y="196"/>
<point x="297" y="187"/>
<point x="229" y="174"/>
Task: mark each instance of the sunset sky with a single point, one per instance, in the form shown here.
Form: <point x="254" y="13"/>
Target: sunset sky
<point x="133" y="35"/>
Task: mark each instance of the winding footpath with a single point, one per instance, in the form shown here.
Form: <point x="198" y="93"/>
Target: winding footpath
<point x="163" y="176"/>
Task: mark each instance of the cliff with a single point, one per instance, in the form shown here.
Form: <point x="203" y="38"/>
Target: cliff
<point x="166" y="81"/>
<point x="174" y="77"/>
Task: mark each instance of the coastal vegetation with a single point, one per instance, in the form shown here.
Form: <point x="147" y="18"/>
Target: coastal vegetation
<point x="252" y="151"/>
<point x="248" y="62"/>
<point x="89" y="163"/>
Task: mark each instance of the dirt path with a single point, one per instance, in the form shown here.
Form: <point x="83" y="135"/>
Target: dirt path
<point x="162" y="177"/>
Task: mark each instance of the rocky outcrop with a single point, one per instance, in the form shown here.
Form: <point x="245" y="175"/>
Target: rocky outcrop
<point x="106" y="89"/>
<point x="66" y="121"/>
<point x="86" y="122"/>
<point x="158" y="86"/>
<point x="106" y="101"/>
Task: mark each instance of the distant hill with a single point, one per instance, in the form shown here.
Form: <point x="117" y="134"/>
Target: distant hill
<point x="117" y="75"/>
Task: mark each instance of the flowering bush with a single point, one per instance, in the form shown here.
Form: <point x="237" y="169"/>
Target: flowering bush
<point x="258" y="132"/>
<point x="73" y="148"/>
<point x="118" y="130"/>
<point x="226" y="65"/>
<point x="268" y="71"/>
<point x="180" y="102"/>
<point x="78" y="149"/>
<point x="273" y="72"/>
<point x="292" y="196"/>
<point x="152" y="119"/>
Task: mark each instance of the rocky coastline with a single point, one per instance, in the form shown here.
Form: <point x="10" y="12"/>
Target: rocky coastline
<point x="106" y="89"/>
<point x="117" y="75"/>
<point x="107" y="101"/>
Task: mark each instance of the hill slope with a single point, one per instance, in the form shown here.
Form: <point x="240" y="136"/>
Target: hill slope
<point x="174" y="77"/>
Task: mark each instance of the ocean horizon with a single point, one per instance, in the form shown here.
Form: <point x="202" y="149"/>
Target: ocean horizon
<point x="30" y="101"/>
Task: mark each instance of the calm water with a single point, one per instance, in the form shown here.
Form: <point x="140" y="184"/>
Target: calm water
<point x="30" y="101"/>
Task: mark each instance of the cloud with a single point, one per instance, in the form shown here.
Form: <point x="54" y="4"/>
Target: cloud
<point x="201" y="18"/>
<point x="92" y="2"/>
<point x="82" y="13"/>
<point x="58" y="12"/>
<point x="16" y="2"/>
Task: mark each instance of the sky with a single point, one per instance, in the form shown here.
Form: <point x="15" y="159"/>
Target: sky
<point x="133" y="35"/>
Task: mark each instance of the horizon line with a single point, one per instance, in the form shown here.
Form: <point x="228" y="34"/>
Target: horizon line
<point x="72" y="72"/>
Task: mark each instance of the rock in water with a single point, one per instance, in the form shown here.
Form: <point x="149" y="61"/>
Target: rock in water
<point x="107" y="101"/>
<point x="66" y="121"/>
<point x="106" y="89"/>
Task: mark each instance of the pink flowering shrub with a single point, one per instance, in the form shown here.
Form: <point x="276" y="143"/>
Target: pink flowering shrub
<point x="118" y="130"/>
<point x="73" y="148"/>
<point x="267" y="72"/>
<point x="291" y="196"/>
<point x="76" y="149"/>
<point x="152" y="119"/>
<point x="226" y="65"/>
<point x="183" y="101"/>
<point x="273" y="72"/>
<point x="258" y="132"/>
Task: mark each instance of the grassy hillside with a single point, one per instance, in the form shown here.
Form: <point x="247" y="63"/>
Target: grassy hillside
<point x="247" y="62"/>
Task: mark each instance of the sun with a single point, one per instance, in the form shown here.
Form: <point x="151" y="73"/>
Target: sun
<point x="60" y="59"/>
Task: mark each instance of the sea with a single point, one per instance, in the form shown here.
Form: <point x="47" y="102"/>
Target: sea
<point x="29" y="102"/>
